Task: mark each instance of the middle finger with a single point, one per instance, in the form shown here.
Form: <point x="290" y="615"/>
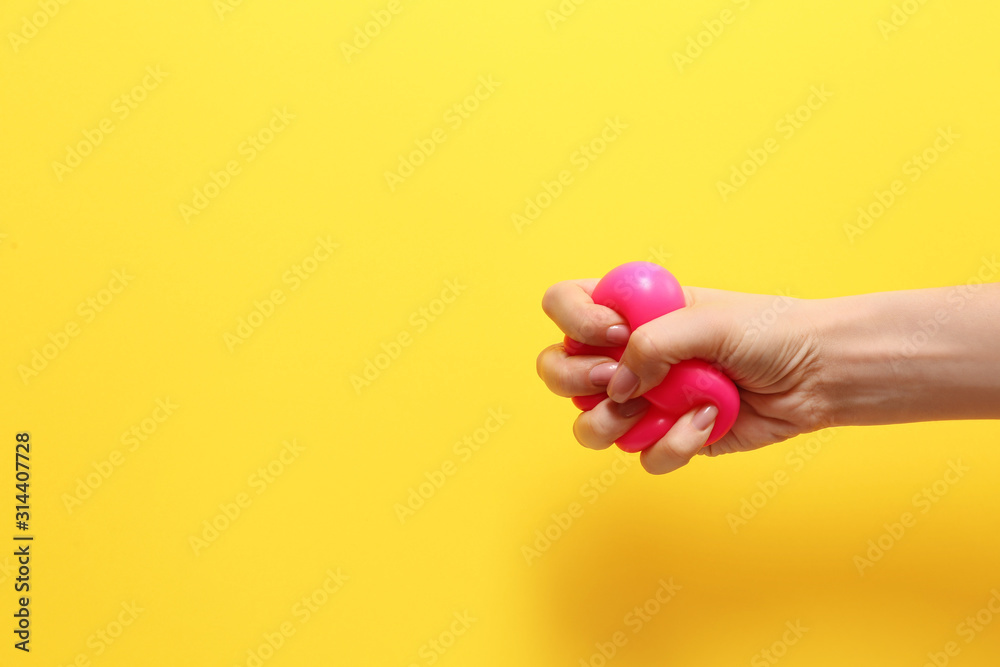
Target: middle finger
<point x="579" y="375"/>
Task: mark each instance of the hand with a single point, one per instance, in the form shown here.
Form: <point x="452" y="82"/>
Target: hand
<point x="768" y="345"/>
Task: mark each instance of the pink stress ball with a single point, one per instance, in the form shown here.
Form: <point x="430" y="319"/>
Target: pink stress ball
<point x="640" y="292"/>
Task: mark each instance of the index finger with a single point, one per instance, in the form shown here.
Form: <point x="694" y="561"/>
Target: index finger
<point x="570" y="306"/>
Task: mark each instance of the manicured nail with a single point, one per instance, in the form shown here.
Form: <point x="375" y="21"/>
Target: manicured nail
<point x="633" y="407"/>
<point x="617" y="334"/>
<point x="705" y="417"/>
<point x="601" y="374"/>
<point x="622" y="384"/>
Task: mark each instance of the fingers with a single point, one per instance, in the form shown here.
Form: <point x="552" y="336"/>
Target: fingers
<point x="569" y="305"/>
<point x="600" y="427"/>
<point x="694" y="332"/>
<point x="570" y="376"/>
<point x="681" y="443"/>
<point x="752" y="430"/>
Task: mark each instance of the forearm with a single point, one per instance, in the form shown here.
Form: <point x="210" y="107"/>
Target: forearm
<point x="919" y="355"/>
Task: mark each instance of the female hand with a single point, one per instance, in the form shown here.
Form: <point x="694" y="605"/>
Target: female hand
<point x="766" y="344"/>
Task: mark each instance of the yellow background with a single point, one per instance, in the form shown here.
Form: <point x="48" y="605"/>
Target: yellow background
<point x="651" y="195"/>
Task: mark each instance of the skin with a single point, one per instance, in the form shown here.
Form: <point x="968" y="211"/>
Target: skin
<point x="801" y="365"/>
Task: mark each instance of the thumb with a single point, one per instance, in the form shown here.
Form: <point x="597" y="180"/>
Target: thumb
<point x="693" y="332"/>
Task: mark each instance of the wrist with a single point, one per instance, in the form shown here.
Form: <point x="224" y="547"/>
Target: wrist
<point x="859" y="372"/>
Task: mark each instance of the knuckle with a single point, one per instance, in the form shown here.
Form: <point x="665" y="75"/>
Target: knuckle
<point x="642" y="344"/>
<point x="602" y="428"/>
<point x="589" y="325"/>
<point x="551" y="298"/>
<point x="560" y="375"/>
<point x="606" y="423"/>
<point x="579" y="426"/>
<point x="594" y="430"/>
<point x="651" y="465"/>
<point x="563" y="378"/>
<point x="549" y="370"/>
<point x="539" y="363"/>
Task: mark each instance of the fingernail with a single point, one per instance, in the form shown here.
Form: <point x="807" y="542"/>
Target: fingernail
<point x="617" y="334"/>
<point x="633" y="407"/>
<point x="622" y="384"/>
<point x="601" y="374"/>
<point x="705" y="417"/>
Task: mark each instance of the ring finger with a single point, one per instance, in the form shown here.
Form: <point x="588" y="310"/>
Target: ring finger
<point x="600" y="427"/>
